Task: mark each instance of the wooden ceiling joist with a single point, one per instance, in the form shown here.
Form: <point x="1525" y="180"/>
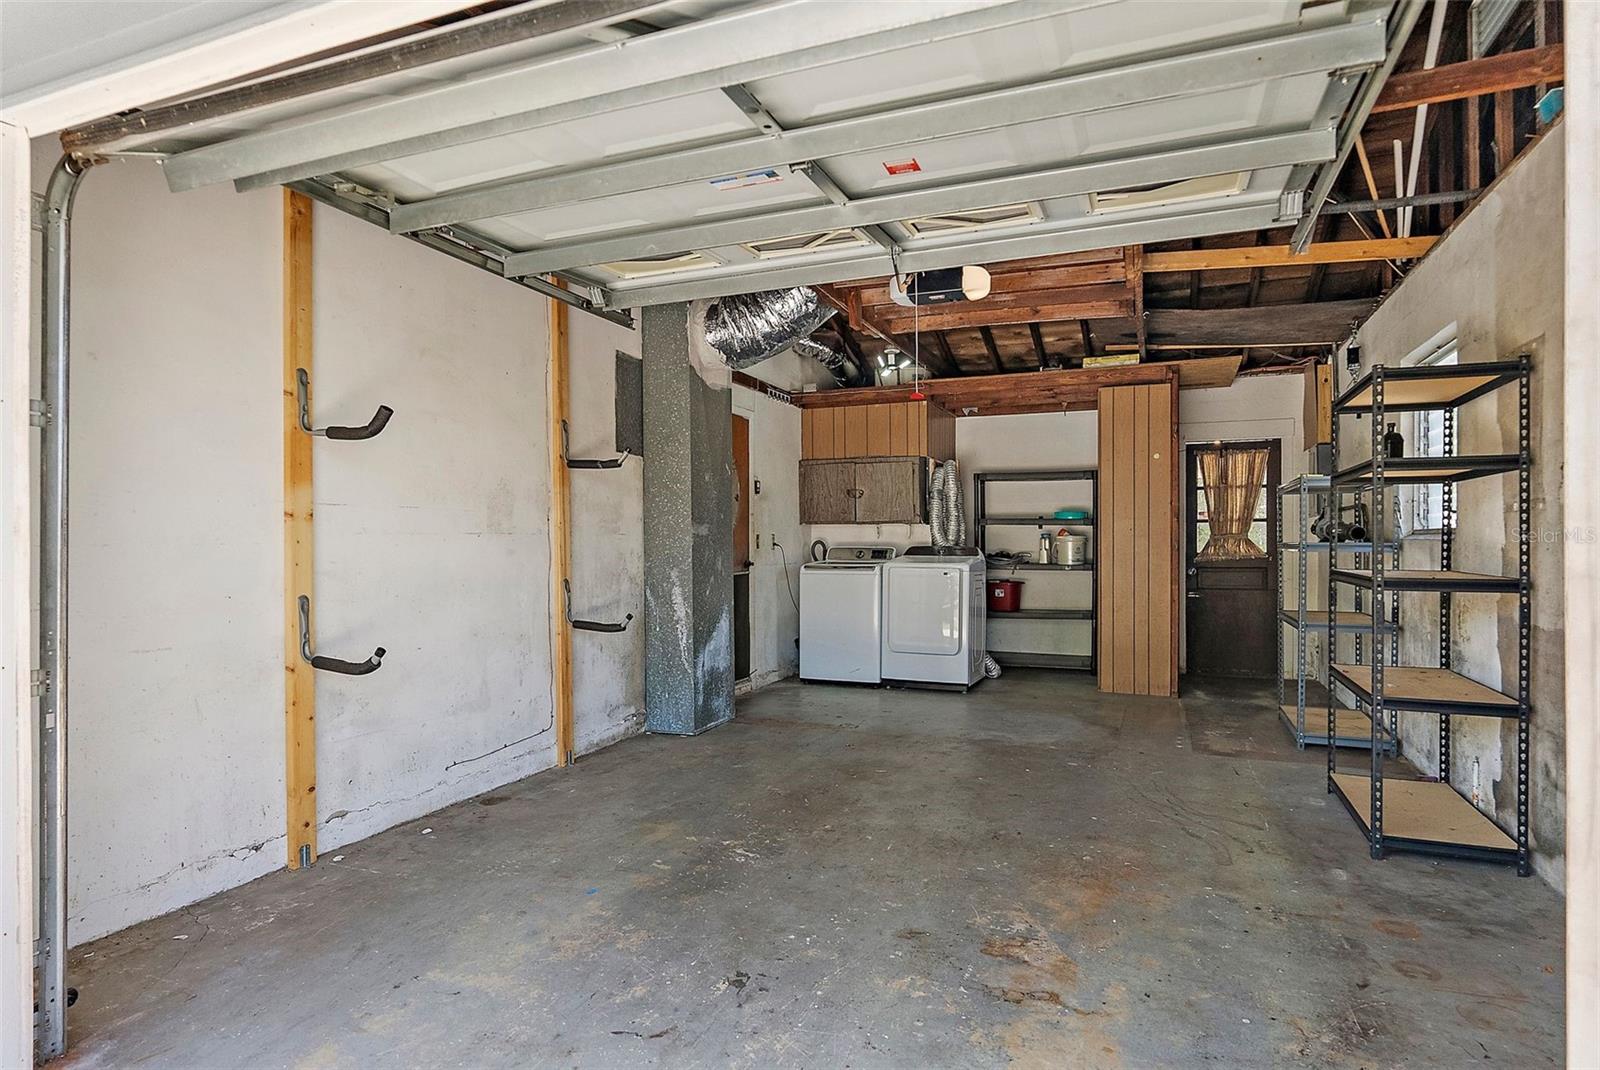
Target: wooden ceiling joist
<point x="954" y="317"/>
<point x="1066" y="390"/>
<point x="1261" y="256"/>
<point x="1285" y="326"/>
<point x="1472" y="78"/>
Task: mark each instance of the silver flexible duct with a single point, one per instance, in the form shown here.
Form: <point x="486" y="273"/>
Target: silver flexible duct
<point x="947" y="518"/>
<point x="838" y="364"/>
<point x="748" y="328"/>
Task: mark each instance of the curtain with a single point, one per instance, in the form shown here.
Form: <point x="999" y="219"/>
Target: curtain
<point x="1232" y="480"/>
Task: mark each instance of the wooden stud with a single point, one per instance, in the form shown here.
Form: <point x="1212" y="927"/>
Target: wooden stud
<point x="300" y="685"/>
<point x="1505" y="133"/>
<point x="1134" y="264"/>
<point x="1372" y="189"/>
<point x="557" y="395"/>
<point x="1038" y="345"/>
<point x="1088" y="338"/>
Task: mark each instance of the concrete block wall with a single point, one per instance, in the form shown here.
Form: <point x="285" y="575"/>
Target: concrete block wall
<point x="1497" y="279"/>
<point x="432" y="539"/>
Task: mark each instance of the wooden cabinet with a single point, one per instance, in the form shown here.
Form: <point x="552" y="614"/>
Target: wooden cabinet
<point x="887" y="429"/>
<point x="878" y="490"/>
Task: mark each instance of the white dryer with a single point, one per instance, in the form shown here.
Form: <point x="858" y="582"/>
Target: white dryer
<point x="841" y="615"/>
<point x="933" y="617"/>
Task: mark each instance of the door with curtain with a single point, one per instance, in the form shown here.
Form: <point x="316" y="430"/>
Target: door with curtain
<point x="1231" y="558"/>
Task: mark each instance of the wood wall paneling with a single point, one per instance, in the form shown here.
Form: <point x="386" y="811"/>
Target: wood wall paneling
<point x="1138" y="554"/>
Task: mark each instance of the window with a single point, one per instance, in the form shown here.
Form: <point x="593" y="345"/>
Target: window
<point x="1202" y="515"/>
<point x="1427" y="440"/>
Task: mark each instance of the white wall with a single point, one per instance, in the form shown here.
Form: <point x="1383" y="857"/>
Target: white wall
<point x="1498" y="277"/>
<point x="607" y="559"/>
<point x="432" y="540"/>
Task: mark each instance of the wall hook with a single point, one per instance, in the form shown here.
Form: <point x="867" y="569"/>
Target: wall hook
<point x="318" y="661"/>
<point x="590" y="625"/>
<point x="566" y="455"/>
<point x="379" y="421"/>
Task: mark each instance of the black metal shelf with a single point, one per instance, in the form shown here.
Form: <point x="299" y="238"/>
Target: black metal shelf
<point x="1415" y="815"/>
<point x="1410" y="471"/>
<point x="1422" y="817"/>
<point x="1416" y="579"/>
<point x="1037" y="521"/>
<point x="1034" y="566"/>
<point x="983" y="521"/>
<point x="1045" y="475"/>
<point x="1429" y="690"/>
<point x="1427" y="387"/>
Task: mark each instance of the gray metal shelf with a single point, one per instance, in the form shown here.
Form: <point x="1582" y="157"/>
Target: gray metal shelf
<point x="1350" y="728"/>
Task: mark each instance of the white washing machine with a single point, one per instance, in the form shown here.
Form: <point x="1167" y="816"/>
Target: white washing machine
<point x="841" y="615"/>
<point x="933" y="617"/>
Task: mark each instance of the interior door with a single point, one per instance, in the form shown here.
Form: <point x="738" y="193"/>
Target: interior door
<point x="1229" y="610"/>
<point x="741" y="492"/>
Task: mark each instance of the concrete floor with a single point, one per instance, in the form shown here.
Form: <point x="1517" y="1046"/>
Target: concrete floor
<point x="1033" y="875"/>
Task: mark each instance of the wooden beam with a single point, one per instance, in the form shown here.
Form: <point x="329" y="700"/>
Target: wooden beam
<point x="1038" y="345"/>
<point x="557" y="395"/>
<point x="1005" y="283"/>
<point x="1505" y="133"/>
<point x="1134" y="259"/>
<point x="1336" y="252"/>
<point x="1057" y="390"/>
<point x="994" y="350"/>
<point x="1472" y="78"/>
<point x="944" y="351"/>
<point x="299" y="679"/>
<point x="959" y="315"/>
<point x="1088" y="338"/>
<point x="1322" y="323"/>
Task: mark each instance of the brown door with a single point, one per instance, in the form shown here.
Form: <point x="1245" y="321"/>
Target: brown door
<point x="827" y="492"/>
<point x="741" y="493"/>
<point x="890" y="491"/>
<point x="1231" y="559"/>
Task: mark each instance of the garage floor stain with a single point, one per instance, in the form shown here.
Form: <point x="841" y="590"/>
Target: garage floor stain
<point x="1031" y="875"/>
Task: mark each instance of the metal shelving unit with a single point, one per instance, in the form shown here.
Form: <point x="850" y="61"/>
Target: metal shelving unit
<point x="1351" y="727"/>
<point x="1430" y="816"/>
<point x="984" y="520"/>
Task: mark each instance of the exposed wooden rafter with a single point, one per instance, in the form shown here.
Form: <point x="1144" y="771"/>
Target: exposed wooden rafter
<point x="1473" y="78"/>
<point x="1260" y="256"/>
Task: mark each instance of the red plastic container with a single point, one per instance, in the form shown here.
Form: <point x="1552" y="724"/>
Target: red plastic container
<point x="1005" y="596"/>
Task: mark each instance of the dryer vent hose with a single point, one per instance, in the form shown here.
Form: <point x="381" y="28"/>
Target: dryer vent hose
<point x="991" y="667"/>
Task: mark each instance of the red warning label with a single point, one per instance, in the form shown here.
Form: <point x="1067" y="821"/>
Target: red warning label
<point x="902" y="167"/>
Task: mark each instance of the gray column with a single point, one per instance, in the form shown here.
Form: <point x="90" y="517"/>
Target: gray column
<point x="688" y="528"/>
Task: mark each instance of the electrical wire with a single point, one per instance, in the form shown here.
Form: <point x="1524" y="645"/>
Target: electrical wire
<point x="786" y="582"/>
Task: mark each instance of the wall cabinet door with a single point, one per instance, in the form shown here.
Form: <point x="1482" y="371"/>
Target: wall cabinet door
<point x="827" y="492"/>
<point x="891" y="491"/>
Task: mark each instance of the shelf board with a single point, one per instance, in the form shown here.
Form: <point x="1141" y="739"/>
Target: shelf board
<point x="1317" y="619"/>
<point x="1352" y="728"/>
<point x="1038" y="521"/>
<point x="1422" y="813"/>
<point x="1032" y="660"/>
<point x="1344" y="547"/>
<point x="1420" y="579"/>
<point x="1411" y="470"/>
<point x="1431" y="690"/>
<point x="1054" y="475"/>
<point x="1429" y="386"/>
<point x="1044" y="614"/>
<point x="1034" y="566"/>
